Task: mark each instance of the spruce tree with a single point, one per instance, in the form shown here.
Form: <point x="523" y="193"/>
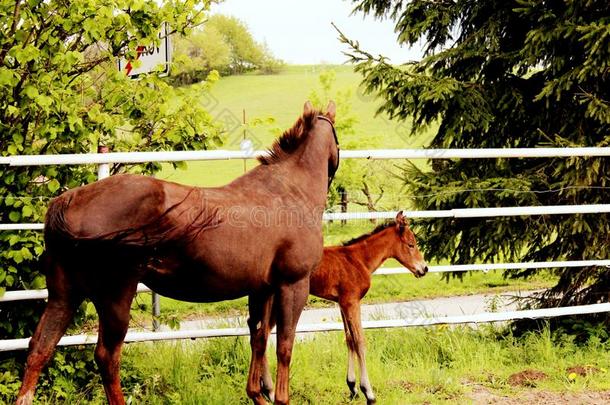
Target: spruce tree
<point x="505" y="74"/>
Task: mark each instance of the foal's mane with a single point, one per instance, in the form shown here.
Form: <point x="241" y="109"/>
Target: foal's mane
<point x="291" y="139"/>
<point x="378" y="229"/>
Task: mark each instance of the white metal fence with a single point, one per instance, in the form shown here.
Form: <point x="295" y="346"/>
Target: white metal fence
<point x="103" y="160"/>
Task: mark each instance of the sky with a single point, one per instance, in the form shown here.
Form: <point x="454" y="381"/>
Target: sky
<point x="300" y="31"/>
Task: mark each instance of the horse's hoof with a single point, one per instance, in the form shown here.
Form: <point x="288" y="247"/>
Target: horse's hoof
<point x="370" y="397"/>
<point x="269" y="396"/>
<point x="352" y="388"/>
<point x="268" y="393"/>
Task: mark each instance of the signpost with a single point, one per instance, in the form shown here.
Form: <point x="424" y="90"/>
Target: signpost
<point x="150" y="57"/>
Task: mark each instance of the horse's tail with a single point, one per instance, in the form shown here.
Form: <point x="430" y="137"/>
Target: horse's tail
<point x="56" y="228"/>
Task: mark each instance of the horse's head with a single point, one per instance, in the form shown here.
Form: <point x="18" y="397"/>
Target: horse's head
<point x="325" y="128"/>
<point x="314" y="136"/>
<point x="406" y="250"/>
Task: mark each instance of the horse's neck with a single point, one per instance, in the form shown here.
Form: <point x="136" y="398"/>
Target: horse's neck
<point x="373" y="251"/>
<point x="312" y="160"/>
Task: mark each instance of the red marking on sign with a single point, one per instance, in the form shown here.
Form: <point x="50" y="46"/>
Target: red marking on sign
<point x="139" y="50"/>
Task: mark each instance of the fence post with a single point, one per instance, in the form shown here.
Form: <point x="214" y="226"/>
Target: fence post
<point x="343" y="203"/>
<point x="156" y="311"/>
<point x="103" y="169"/>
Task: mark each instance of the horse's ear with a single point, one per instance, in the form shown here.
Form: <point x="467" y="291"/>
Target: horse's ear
<point x="331" y="111"/>
<point x="308" y="108"/>
<point x="401" y="220"/>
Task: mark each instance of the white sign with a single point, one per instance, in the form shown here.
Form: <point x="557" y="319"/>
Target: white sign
<point x="150" y="57"/>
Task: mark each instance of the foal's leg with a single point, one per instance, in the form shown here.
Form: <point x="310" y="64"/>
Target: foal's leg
<point x="57" y="315"/>
<point x="291" y="300"/>
<point x="113" y="310"/>
<point x="354" y="324"/>
<point x="351" y="356"/>
<point x="260" y="308"/>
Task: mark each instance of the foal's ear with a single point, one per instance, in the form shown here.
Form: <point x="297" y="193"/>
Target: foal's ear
<point x="401" y="220"/>
<point x="331" y="111"/>
<point x="308" y="108"/>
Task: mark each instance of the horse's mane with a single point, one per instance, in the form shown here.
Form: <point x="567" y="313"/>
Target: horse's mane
<point x="378" y="229"/>
<point x="290" y="140"/>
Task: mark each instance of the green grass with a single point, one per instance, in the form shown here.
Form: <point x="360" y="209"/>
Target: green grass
<point x="416" y="365"/>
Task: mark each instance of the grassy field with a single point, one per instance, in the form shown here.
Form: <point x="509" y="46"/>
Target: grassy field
<point x="435" y="365"/>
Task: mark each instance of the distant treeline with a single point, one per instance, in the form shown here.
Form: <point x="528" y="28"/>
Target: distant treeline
<point x="224" y="44"/>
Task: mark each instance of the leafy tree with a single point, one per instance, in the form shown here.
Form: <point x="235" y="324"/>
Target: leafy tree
<point x="246" y="53"/>
<point x="60" y="92"/>
<point x="197" y="54"/>
<point x="225" y="44"/>
<point x="506" y="74"/>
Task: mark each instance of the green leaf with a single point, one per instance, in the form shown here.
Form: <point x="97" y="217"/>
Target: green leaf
<point x="53" y="185"/>
<point x="30" y="91"/>
<point x="17" y="257"/>
<point x="14" y="216"/>
<point x="38" y="283"/>
<point x="13" y="239"/>
<point x="7" y="77"/>
<point x="26" y="211"/>
<point x="18" y="138"/>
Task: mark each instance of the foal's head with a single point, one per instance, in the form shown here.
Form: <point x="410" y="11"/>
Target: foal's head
<point x="405" y="249"/>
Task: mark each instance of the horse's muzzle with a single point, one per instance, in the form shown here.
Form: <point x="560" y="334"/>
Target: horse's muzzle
<point x="421" y="271"/>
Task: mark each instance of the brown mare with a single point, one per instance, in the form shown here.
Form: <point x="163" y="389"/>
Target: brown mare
<point x="259" y="236"/>
<point x="344" y="276"/>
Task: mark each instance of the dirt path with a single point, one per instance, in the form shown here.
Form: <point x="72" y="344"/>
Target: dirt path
<point x="481" y="395"/>
<point x="437" y="307"/>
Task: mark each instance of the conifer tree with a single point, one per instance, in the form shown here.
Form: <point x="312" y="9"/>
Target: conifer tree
<point x="505" y="74"/>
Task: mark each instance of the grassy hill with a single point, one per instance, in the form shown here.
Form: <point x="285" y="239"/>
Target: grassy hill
<point x="282" y="97"/>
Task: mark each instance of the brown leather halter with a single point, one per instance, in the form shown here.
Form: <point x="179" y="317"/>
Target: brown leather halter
<point x="330" y="178"/>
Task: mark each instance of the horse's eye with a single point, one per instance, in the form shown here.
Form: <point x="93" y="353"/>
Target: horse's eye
<point x="411" y="246"/>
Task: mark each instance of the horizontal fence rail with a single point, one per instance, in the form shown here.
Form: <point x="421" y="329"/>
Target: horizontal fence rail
<point x="454" y="213"/>
<point x="495" y="266"/>
<point x="42" y="294"/>
<point x="475" y="212"/>
<point x="219" y="154"/>
<point x="20" y="344"/>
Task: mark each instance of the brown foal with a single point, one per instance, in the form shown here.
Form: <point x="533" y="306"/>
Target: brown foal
<point x="259" y="236"/>
<point x="344" y="276"/>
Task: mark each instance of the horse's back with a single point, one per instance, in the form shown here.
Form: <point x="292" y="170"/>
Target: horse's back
<point x="107" y="208"/>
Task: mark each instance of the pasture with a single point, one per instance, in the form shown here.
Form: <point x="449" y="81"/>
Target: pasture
<point x="494" y="98"/>
<point x="418" y="365"/>
<point x="429" y="365"/>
